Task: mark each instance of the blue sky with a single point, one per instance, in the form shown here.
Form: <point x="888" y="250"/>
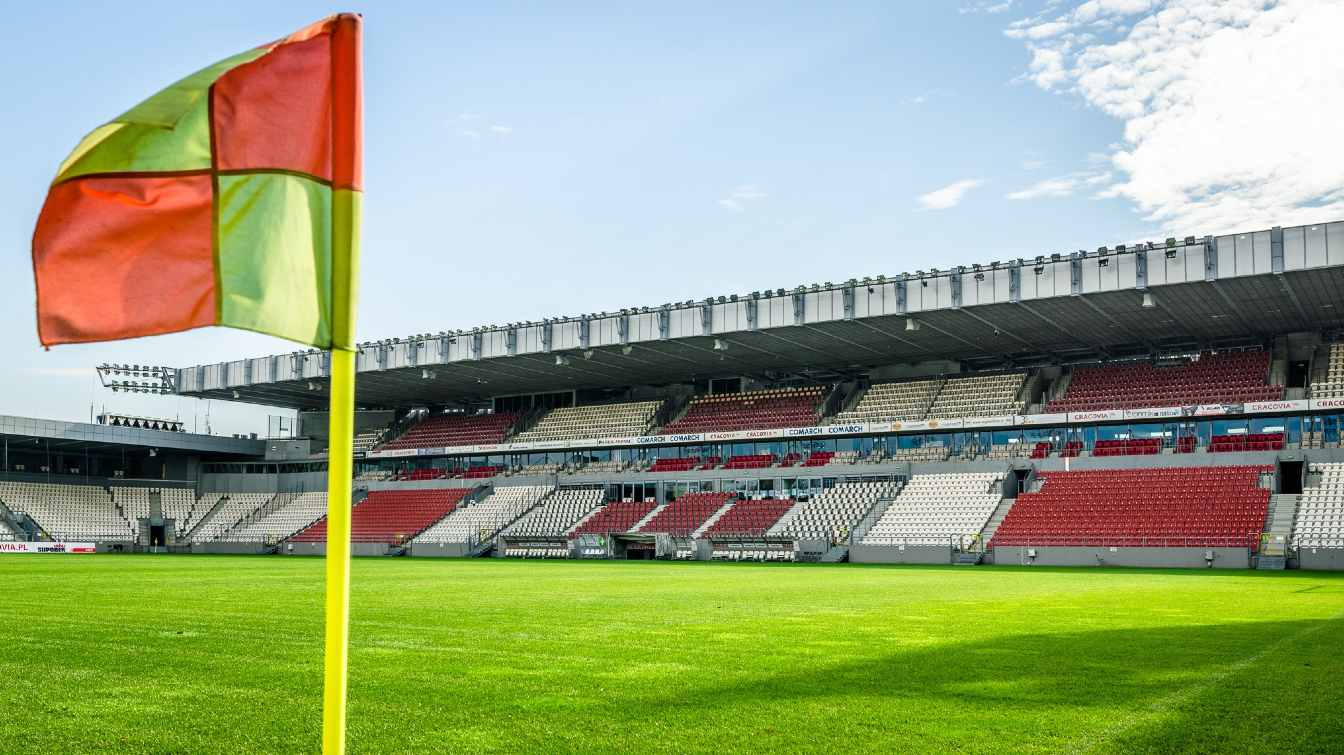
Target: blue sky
<point x="525" y="160"/>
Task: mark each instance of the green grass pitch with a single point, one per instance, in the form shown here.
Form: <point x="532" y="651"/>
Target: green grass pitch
<point x="213" y="653"/>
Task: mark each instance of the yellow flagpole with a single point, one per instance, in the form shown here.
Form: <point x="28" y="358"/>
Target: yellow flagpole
<point x="345" y="227"/>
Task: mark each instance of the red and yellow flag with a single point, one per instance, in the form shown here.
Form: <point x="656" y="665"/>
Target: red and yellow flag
<point x="211" y="202"/>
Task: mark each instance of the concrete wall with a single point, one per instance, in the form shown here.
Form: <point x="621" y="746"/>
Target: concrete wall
<point x="1178" y="558"/>
<point x="1331" y="559"/>
<point x="892" y="554"/>
<point x="289" y="482"/>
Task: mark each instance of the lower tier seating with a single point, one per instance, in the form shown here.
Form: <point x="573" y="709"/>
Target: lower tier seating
<point x="1320" y="510"/>
<point x="557" y="513"/>
<point x="392" y="516"/>
<point x="749" y="518"/>
<point x="228" y="508"/>
<point x="480" y="521"/>
<point x="615" y="517"/>
<point x="682" y="517"/>
<point x="831" y="514"/>
<point x="78" y="513"/>
<point x="288" y="513"/>
<point x="1190" y="506"/>
<point x="939" y="509"/>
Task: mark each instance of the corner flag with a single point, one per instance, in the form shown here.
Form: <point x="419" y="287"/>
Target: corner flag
<point x="230" y="198"/>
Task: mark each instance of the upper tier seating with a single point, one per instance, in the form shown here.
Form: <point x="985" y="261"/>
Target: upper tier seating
<point x="615" y="517"/>
<point x="557" y="513"/>
<point x="885" y="402"/>
<point x="596" y="421"/>
<point x="675" y="464"/>
<point x="429" y="473"/>
<point x="1128" y="447"/>
<point x="596" y="467"/>
<point x="77" y="513"/>
<point x="682" y="517"/>
<point x="442" y="430"/>
<point x="750" y="461"/>
<point x="1333" y="385"/>
<point x="482" y="472"/>
<point x="831" y="514"/>
<point x="1002" y="451"/>
<point x="478" y="522"/>
<point x="1231" y="377"/>
<point x="292" y="512"/>
<point x="229" y="508"/>
<point x="939" y="509"/>
<point x="538" y="469"/>
<point x="1200" y="507"/>
<point x="391" y="516"/>
<point x="979" y="396"/>
<point x="751" y="410"/>
<point x="1247" y="442"/>
<point x="749" y="518"/>
<point x="365" y="441"/>
<point x="1320" y="510"/>
<point x="929" y="453"/>
<point x="822" y="458"/>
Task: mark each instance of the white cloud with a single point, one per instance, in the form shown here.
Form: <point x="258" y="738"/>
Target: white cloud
<point x="738" y="199"/>
<point x="1060" y="186"/>
<point x="948" y="196"/>
<point x="501" y="129"/>
<point x="1230" y="109"/>
<point x="986" y="6"/>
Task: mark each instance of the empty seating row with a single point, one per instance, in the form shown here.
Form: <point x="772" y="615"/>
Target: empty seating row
<point x="831" y="514"/>
<point x="939" y="509"/>
<point x="557" y="513"/>
<point x="750" y="410"/>
<point x="392" y="516"/>
<point x="442" y="430"/>
<point x="1247" y="442"/>
<point x="593" y="421"/>
<point x="925" y="454"/>
<point x="979" y="396"/>
<point x="1190" y="506"/>
<point x="886" y="402"/>
<point x="477" y="522"/>
<point x="749" y="518"/>
<point x="221" y="511"/>
<point x="1333" y="385"/>
<point x="178" y="504"/>
<point x="69" y="512"/>
<point x="1128" y="447"/>
<point x="284" y="515"/>
<point x="1320" y="510"/>
<point x="1212" y="378"/>
<point x="619" y="516"/>
<point x="687" y="514"/>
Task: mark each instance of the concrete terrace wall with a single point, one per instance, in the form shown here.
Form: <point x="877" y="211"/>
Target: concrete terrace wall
<point x="1177" y="558"/>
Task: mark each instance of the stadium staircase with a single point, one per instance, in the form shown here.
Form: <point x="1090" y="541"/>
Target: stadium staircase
<point x="871" y="516"/>
<point x="1279" y="520"/>
<point x="713" y="518"/>
<point x="488" y="543"/>
<point x="9" y="521"/>
<point x="835" y="554"/>
<point x="995" y="520"/>
<point x="220" y="505"/>
<point x="656" y="510"/>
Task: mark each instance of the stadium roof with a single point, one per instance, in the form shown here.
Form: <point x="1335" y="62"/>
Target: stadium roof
<point x="56" y="434"/>
<point x="1123" y="301"/>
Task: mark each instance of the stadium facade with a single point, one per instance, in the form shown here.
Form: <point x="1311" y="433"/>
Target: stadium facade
<point x="1175" y="403"/>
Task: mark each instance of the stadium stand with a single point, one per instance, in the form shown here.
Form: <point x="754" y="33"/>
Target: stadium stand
<point x="228" y="509"/>
<point x="556" y="514"/>
<point x="750" y="461"/>
<point x="1247" y="442"/>
<point x="922" y="454"/>
<point x="69" y="512"/>
<point x="177" y="504"/>
<point x="482" y="472"/>
<point x="885" y="402"/>
<point x="444" y="430"/>
<point x="1004" y="451"/>
<point x="1157" y="507"/>
<point x="598" y="467"/>
<point x="391" y="516"/>
<point x="832" y="514"/>
<point x="478" y="522"/>
<point x="822" y="458"/>
<point x="1212" y="378"/>
<point x="538" y="469"/>
<point x="615" y="517"/>
<point x="1320" y="509"/>
<point x="750" y="410"/>
<point x="288" y="513"/>
<point x="749" y="518"/>
<point x="979" y="396"/>
<point x="939" y="509"/>
<point x="365" y="441"/>
<point x="675" y="464"/>
<point x="1127" y="447"/>
<point x="593" y="421"/>
<point x="1333" y="385"/>
<point x="685" y="515"/>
